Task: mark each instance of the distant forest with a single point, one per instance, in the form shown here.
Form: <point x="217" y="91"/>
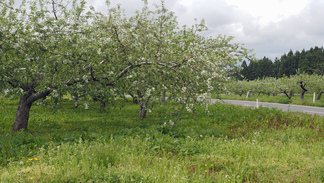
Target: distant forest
<point x="310" y="61"/>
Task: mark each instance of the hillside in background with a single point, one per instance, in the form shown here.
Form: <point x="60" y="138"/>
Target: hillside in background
<point x="310" y="61"/>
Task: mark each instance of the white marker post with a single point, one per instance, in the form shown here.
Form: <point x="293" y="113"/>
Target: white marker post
<point x="257" y="104"/>
<point x="314" y="98"/>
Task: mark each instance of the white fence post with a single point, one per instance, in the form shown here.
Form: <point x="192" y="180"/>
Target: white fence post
<point x="314" y="98"/>
<point x="257" y="103"/>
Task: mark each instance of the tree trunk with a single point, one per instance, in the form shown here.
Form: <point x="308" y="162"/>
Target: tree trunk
<point x="142" y="111"/>
<point x="76" y="101"/>
<point x="103" y="104"/>
<point x="163" y="97"/>
<point x="319" y="95"/>
<point x="22" y="114"/>
<point x="303" y="90"/>
<point x="302" y="95"/>
<point x="287" y="95"/>
<point x="24" y="105"/>
<point x="135" y="100"/>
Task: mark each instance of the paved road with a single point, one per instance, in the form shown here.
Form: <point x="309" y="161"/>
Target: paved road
<point x="285" y="107"/>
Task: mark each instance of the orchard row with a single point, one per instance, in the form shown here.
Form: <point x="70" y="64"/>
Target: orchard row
<point x="53" y="48"/>
<point x="289" y="86"/>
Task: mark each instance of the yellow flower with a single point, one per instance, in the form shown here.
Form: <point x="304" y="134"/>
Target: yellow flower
<point x="31" y="178"/>
<point x="36" y="159"/>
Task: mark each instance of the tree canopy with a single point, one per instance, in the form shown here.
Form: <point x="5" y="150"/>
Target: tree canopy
<point x="51" y="48"/>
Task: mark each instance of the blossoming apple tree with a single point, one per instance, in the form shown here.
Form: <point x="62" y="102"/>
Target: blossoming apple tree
<point x="52" y="47"/>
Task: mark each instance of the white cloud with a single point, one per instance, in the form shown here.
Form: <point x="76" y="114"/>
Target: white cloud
<point x="269" y="10"/>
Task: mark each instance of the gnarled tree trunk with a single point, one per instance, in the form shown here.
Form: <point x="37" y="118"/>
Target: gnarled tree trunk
<point x="302" y="95"/>
<point x="24" y="105"/>
<point x="22" y="114"/>
<point x="303" y="90"/>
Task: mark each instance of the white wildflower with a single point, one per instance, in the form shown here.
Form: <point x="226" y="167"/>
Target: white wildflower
<point x="171" y="123"/>
<point x="6" y="91"/>
<point x="55" y="94"/>
<point x="188" y="108"/>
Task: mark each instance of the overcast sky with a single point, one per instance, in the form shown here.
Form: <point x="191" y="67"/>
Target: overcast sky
<point x="270" y="27"/>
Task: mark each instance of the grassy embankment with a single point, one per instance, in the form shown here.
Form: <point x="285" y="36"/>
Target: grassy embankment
<point x="227" y="145"/>
<point x="277" y="99"/>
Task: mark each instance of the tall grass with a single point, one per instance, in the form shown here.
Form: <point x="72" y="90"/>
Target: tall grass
<point x="228" y="144"/>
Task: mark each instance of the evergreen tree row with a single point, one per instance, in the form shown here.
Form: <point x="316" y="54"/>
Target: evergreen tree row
<point x="309" y="62"/>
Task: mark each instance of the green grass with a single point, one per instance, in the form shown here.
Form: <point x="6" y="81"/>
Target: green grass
<point x="276" y="99"/>
<point x="229" y="144"/>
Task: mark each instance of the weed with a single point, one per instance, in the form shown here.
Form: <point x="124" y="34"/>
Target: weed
<point x="229" y="144"/>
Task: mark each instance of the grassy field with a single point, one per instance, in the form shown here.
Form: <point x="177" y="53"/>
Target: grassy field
<point x="229" y="144"/>
<point x="277" y="99"/>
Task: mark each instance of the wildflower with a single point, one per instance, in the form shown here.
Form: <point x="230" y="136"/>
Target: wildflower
<point x="31" y="178"/>
<point x="58" y="147"/>
<point x="227" y="176"/>
<point x="171" y="123"/>
<point x="21" y="162"/>
<point x="36" y="159"/>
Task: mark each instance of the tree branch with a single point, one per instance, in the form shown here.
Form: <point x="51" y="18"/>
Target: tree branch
<point x="302" y="86"/>
<point x="124" y="47"/>
<point x="54" y="11"/>
<point x="38" y="95"/>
